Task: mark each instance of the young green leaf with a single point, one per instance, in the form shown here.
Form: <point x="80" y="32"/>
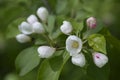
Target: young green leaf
<point x="50" y="68"/>
<point x="51" y="23"/>
<point x="97" y="42"/>
<point x="27" y="60"/>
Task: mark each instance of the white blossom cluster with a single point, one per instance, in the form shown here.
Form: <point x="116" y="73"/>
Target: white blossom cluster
<point x="33" y="25"/>
<point x="74" y="46"/>
<point x="73" y="43"/>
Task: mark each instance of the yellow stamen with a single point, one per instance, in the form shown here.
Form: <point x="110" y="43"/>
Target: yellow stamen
<point x="75" y="44"/>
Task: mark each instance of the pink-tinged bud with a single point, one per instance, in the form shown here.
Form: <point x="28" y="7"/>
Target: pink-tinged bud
<point x="91" y="22"/>
<point x="100" y="59"/>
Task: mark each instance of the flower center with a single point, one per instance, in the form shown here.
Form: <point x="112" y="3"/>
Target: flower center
<point x="75" y="44"/>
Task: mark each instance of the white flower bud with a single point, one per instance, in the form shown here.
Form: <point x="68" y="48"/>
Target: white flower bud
<point x="73" y="45"/>
<point x="66" y="27"/>
<point x="42" y="13"/>
<point x="100" y="59"/>
<point x="22" y="38"/>
<point x="79" y="60"/>
<point x="46" y="51"/>
<point x="91" y="22"/>
<point x="32" y="19"/>
<point x="25" y="28"/>
<point x="38" y="27"/>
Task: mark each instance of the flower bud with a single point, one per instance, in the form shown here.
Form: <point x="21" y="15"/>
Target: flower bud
<point x="91" y="22"/>
<point x="42" y="13"/>
<point x="66" y="27"/>
<point x="100" y="59"/>
<point x="22" y="38"/>
<point x="25" y="28"/>
<point x="79" y="60"/>
<point x="32" y="19"/>
<point x="46" y="51"/>
<point x="38" y="27"/>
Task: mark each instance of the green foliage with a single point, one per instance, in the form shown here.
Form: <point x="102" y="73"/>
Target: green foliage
<point x="50" y="68"/>
<point x="12" y="29"/>
<point x="75" y="11"/>
<point x="27" y="60"/>
<point x="97" y="42"/>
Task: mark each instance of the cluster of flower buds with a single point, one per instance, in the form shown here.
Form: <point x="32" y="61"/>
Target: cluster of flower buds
<point x="33" y="25"/>
<point x="73" y="43"/>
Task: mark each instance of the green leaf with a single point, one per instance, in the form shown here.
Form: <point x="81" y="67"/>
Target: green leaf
<point x="51" y="23"/>
<point x="13" y="30"/>
<point x="61" y="7"/>
<point x="78" y="26"/>
<point x="50" y="68"/>
<point x="95" y="73"/>
<point x="97" y="42"/>
<point x="27" y="60"/>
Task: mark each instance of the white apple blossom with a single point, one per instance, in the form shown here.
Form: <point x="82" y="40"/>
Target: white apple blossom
<point x="66" y="27"/>
<point x="79" y="60"/>
<point x="38" y="27"/>
<point x="73" y="45"/>
<point x="42" y="13"/>
<point x="46" y="51"/>
<point x="91" y="22"/>
<point x="26" y="28"/>
<point x="32" y="19"/>
<point x="22" y="38"/>
<point x="100" y="59"/>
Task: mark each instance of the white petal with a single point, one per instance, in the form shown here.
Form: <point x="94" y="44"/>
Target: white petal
<point x="69" y="42"/>
<point x="31" y="19"/>
<point x="46" y="51"/>
<point x="25" y="28"/>
<point x="100" y="59"/>
<point x="22" y="38"/>
<point x="79" y="60"/>
<point x="66" y="27"/>
<point x="38" y="27"/>
<point x="42" y="13"/>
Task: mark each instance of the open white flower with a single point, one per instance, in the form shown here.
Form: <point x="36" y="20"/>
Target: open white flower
<point x="42" y="13"/>
<point x="25" y="28"/>
<point x="38" y="27"/>
<point x="91" y="22"/>
<point x="73" y="45"/>
<point x="32" y="19"/>
<point x="100" y="59"/>
<point x="66" y="27"/>
<point x="46" y="51"/>
<point x="22" y="38"/>
<point x="79" y="60"/>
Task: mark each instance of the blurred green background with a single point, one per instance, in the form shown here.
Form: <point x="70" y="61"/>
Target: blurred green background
<point x="10" y="10"/>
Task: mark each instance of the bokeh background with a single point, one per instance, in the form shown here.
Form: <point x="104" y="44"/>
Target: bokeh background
<point x="10" y="10"/>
